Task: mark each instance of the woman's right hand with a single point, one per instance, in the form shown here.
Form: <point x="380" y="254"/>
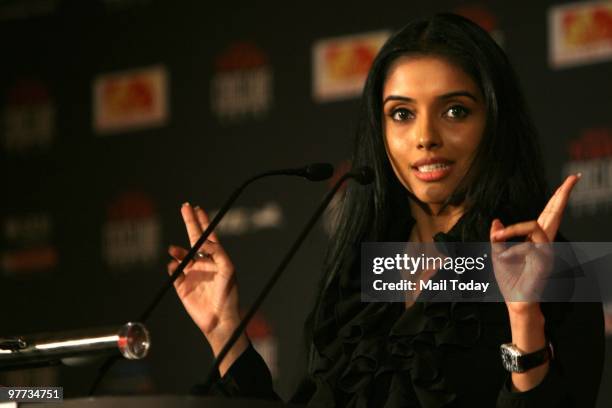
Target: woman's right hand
<point x="207" y="288"/>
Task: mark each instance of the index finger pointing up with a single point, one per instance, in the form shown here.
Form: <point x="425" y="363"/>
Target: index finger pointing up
<point x="551" y="216"/>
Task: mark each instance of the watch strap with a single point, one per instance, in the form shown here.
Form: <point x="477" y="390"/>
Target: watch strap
<point x="534" y="359"/>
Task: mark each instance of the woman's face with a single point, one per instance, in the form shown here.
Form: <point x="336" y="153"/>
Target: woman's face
<point x="433" y="120"/>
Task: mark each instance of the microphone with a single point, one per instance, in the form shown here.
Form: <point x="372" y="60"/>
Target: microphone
<point x="312" y="172"/>
<point x="131" y="340"/>
<point x="363" y="175"/>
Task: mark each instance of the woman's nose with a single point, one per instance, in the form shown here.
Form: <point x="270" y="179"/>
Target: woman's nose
<point x="427" y="137"/>
<point x="427" y="143"/>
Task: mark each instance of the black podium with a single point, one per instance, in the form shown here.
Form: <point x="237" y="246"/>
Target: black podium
<point x="160" y="401"/>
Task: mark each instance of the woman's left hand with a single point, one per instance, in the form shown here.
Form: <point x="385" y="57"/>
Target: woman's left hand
<point x="533" y="258"/>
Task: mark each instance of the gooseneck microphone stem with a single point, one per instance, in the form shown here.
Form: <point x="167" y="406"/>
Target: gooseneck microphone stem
<point x="314" y="172"/>
<point x="364" y="176"/>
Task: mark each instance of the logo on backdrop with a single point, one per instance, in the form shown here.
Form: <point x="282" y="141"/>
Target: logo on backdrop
<point x="580" y="33"/>
<point x="27" y="244"/>
<point x="244" y="220"/>
<point x="133" y="99"/>
<point x="242" y="84"/>
<point x="131" y="236"/>
<point x="591" y="154"/>
<point x="29" y="117"/>
<point x="340" y="65"/>
<point x="484" y="18"/>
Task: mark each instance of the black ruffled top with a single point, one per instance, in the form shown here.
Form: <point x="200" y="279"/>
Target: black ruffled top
<point x="384" y="355"/>
<point x="430" y="355"/>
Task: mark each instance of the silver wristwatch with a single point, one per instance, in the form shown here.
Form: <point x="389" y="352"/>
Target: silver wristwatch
<point x="516" y="361"/>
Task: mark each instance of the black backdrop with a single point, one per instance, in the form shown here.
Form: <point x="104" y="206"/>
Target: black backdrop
<point x="64" y="194"/>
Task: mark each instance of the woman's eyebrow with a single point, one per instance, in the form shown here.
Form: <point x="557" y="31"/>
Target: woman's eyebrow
<point x="441" y="97"/>
<point x="397" y="98"/>
<point x="458" y="93"/>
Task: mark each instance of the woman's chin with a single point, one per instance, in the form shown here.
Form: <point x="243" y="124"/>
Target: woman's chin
<point x="437" y="198"/>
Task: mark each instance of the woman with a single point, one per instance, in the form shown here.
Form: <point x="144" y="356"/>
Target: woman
<point x="456" y="158"/>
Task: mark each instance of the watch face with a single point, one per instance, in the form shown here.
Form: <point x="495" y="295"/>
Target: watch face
<point x="515" y="361"/>
<point x="509" y="356"/>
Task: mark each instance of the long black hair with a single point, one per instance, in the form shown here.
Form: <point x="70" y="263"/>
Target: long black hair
<point x="507" y="171"/>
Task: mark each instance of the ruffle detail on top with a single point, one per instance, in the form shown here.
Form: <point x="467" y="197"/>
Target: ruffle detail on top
<point x="390" y="356"/>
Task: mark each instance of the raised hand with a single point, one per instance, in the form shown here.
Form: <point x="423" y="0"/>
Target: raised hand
<point x="522" y="270"/>
<point x="207" y="288"/>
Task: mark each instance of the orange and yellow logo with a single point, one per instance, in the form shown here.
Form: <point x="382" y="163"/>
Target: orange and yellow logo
<point x="130" y="99"/>
<point x="580" y="33"/>
<point x="340" y="65"/>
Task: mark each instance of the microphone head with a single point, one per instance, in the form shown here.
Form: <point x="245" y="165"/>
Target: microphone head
<point x="318" y="171"/>
<point x="363" y="175"/>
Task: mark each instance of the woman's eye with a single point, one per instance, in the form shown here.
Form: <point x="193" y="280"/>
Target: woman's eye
<point x="401" y="114"/>
<point x="457" y="112"/>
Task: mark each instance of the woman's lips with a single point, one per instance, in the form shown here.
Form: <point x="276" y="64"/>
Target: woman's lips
<point x="433" y="172"/>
